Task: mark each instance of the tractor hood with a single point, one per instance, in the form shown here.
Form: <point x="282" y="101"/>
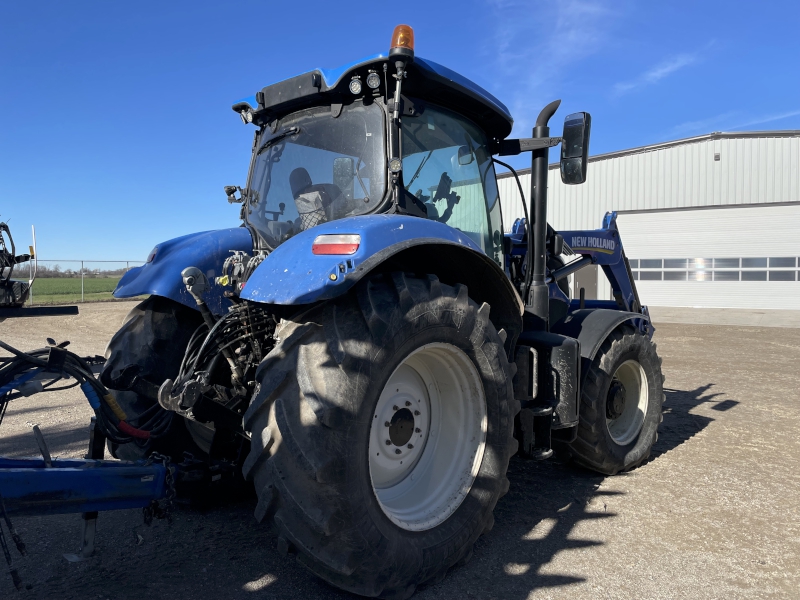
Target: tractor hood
<point x="427" y="81"/>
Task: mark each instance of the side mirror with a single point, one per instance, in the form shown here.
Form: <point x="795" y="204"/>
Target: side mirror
<point x="344" y="175"/>
<point x="230" y="192"/>
<point x="465" y="156"/>
<point x="575" y="148"/>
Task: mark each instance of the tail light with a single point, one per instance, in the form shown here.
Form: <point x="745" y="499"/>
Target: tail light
<point x="336" y="244"/>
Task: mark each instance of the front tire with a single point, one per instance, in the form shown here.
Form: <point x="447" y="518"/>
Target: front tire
<point x="411" y="352"/>
<point x="621" y="404"/>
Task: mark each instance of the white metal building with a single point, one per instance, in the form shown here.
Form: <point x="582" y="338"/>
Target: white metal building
<point x="709" y="221"/>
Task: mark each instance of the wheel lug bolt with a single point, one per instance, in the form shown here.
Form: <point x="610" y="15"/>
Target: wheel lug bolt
<point x="410" y="446"/>
<point x="395" y="407"/>
<point x="417" y="430"/>
<point x="388" y="442"/>
<point x="386" y="424"/>
<point x="416" y="413"/>
<point x="408" y="403"/>
<point x="397" y="451"/>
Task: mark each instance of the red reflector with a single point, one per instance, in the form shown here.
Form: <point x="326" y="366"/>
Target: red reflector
<point x="334" y="248"/>
<point x="336" y="244"/>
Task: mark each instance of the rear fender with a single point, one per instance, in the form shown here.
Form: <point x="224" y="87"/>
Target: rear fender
<point x="293" y="275"/>
<point x="162" y="275"/>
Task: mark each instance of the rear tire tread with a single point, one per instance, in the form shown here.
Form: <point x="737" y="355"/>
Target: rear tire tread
<point x="301" y="489"/>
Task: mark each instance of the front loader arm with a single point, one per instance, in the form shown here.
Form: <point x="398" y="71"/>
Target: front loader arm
<point x="604" y="247"/>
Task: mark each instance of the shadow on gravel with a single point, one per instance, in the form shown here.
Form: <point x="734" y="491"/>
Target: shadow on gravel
<point x="59" y="441"/>
<point x="679" y="423"/>
<point x="534" y="522"/>
<point x="15" y="411"/>
<point x="547" y="502"/>
<point x="219" y="551"/>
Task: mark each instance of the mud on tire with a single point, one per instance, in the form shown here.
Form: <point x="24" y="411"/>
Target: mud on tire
<point x="599" y="445"/>
<point x="310" y="423"/>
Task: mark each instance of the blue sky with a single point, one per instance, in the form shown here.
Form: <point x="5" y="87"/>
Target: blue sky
<point x="116" y="130"/>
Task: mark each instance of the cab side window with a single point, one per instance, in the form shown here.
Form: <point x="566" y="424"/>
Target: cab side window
<point x="442" y="167"/>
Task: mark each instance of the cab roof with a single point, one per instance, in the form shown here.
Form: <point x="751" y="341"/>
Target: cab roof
<point x="427" y="81"/>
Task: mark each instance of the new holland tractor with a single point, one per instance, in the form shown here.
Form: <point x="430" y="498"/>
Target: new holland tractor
<point x="369" y="348"/>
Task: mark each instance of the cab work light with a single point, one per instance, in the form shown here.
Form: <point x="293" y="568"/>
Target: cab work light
<point x="336" y="244"/>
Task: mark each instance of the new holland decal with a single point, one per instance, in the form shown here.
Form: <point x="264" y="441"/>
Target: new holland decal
<point x="592" y="244"/>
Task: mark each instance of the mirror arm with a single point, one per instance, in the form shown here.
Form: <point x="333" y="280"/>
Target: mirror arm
<point x="514" y="147"/>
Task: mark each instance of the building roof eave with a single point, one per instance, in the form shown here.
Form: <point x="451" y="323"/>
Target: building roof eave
<point x="784" y="133"/>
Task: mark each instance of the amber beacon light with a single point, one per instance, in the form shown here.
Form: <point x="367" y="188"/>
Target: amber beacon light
<point x="402" y="42"/>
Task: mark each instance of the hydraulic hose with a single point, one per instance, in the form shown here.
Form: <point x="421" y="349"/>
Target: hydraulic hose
<point x="529" y="254"/>
<point x="24" y="366"/>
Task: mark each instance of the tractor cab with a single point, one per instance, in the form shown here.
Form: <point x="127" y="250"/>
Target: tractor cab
<point x="388" y="134"/>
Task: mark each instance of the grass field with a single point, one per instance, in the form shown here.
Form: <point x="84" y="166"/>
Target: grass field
<point x="65" y="290"/>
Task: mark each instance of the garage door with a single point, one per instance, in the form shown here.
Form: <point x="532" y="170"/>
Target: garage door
<point x="726" y="257"/>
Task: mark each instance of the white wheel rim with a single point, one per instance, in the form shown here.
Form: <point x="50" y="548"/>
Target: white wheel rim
<point x="420" y="482"/>
<point x="625" y="427"/>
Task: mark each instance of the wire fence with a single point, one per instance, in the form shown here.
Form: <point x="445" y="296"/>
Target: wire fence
<point x="70" y="280"/>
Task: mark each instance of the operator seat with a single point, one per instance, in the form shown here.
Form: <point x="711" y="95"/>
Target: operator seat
<point x="314" y="202"/>
<point x="299" y="181"/>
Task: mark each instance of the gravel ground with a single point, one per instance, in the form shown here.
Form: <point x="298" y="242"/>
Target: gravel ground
<point x="713" y="514"/>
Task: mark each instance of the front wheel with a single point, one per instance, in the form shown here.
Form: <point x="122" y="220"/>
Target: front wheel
<point x="381" y="433"/>
<point x="620" y="405"/>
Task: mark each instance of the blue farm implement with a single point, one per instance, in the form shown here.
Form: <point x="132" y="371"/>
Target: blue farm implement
<point x="370" y="348"/>
<point x="43" y="486"/>
<point x="31" y="487"/>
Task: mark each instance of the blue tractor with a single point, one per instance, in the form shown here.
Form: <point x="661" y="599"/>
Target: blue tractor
<point x="369" y="348"/>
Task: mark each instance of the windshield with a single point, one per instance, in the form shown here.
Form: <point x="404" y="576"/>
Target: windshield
<point x="315" y="168"/>
<point x="448" y="166"/>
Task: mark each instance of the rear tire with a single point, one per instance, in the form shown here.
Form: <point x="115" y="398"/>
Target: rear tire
<point x="621" y="404"/>
<point x="153" y="337"/>
<point x="315" y="415"/>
